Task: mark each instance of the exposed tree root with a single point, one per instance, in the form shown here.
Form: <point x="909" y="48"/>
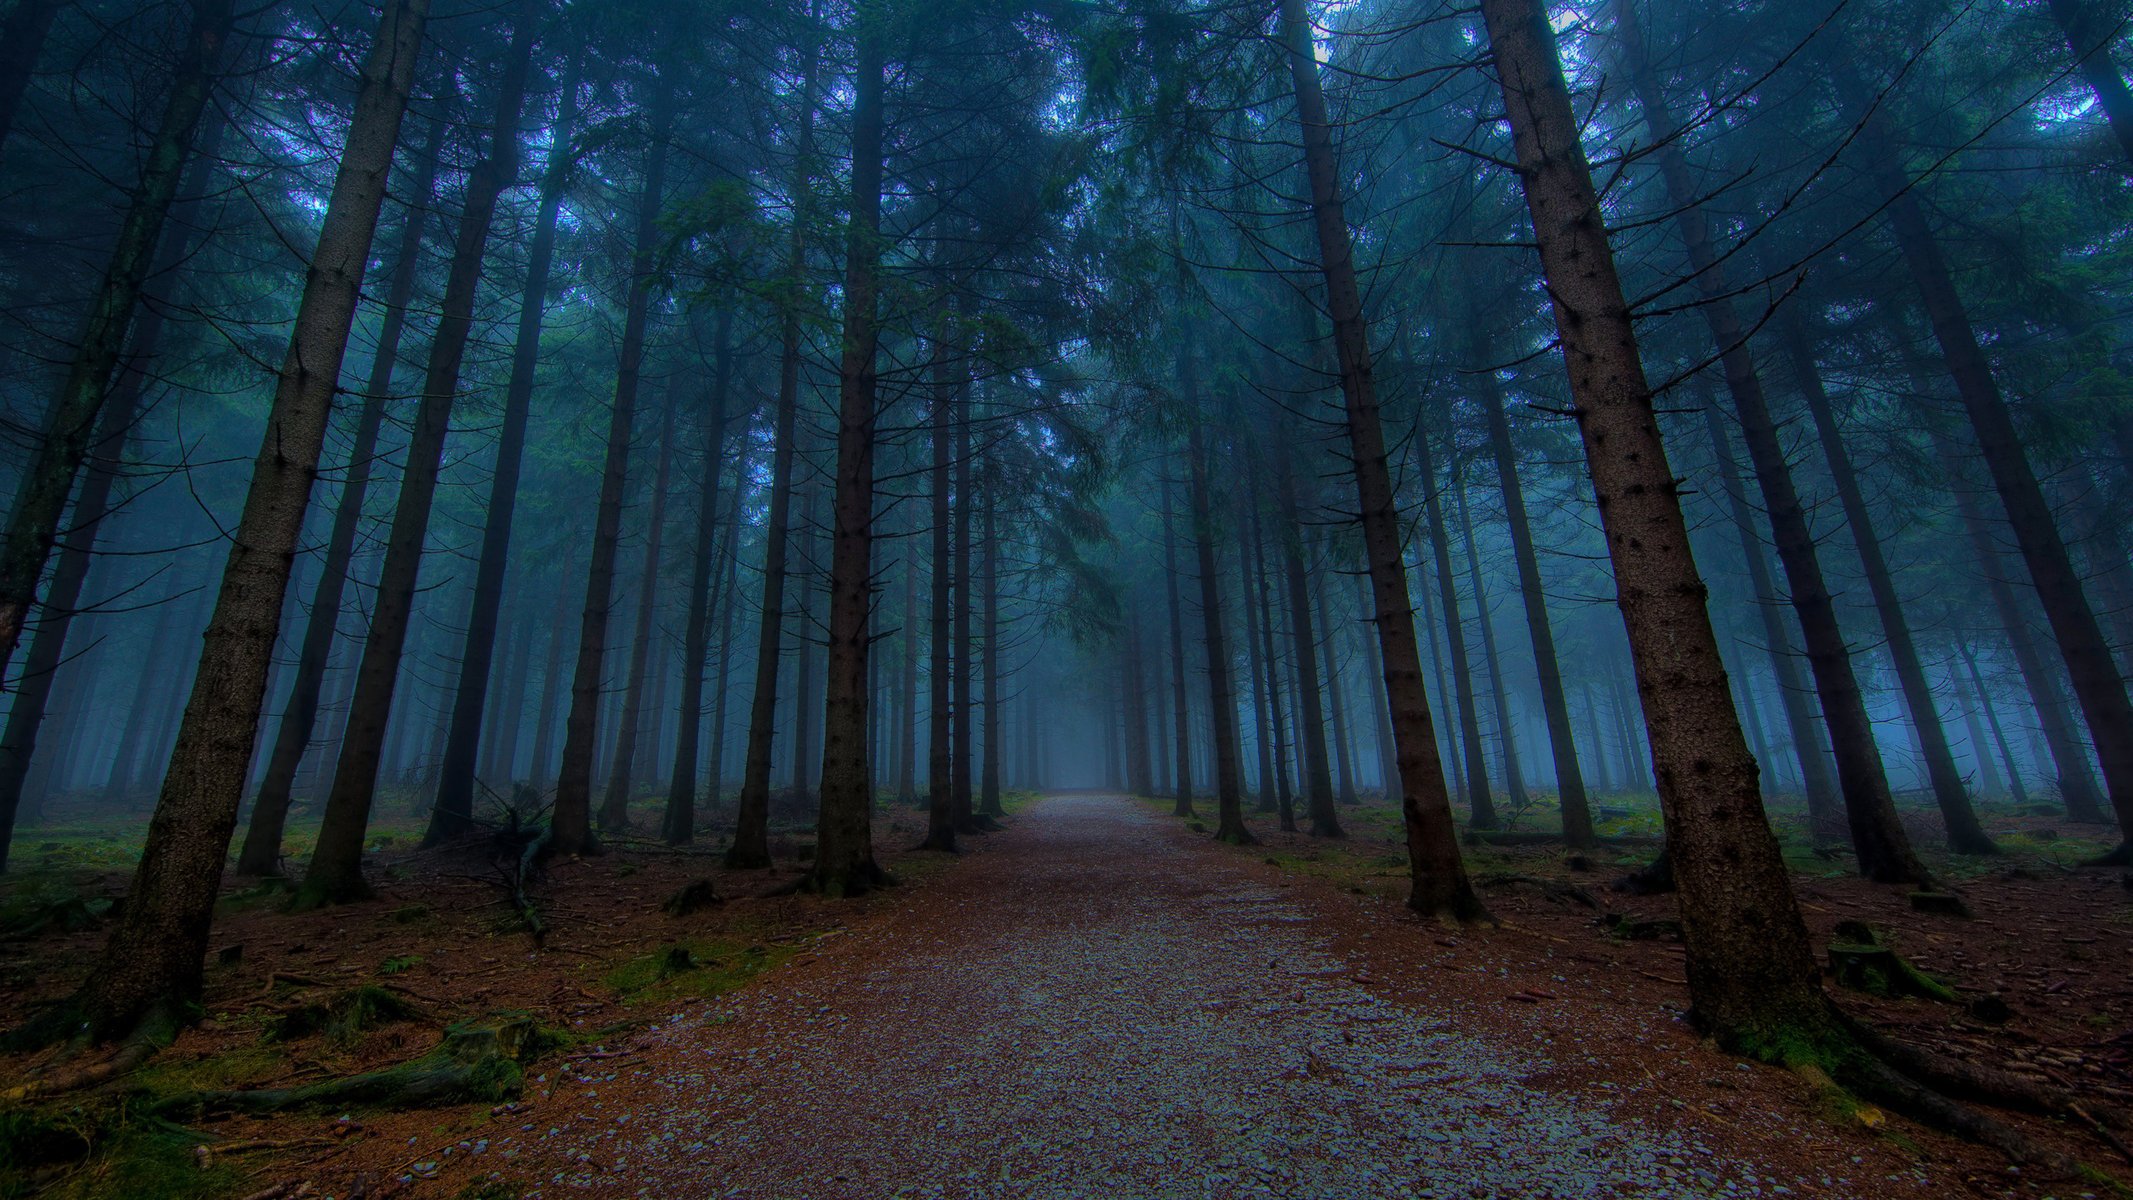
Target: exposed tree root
<point x="475" y="1062"/>
<point x="1655" y="878"/>
<point x="2121" y="857"/>
<point x="66" y="1023"/>
<point x="1548" y="887"/>
<point x="1985" y="1085"/>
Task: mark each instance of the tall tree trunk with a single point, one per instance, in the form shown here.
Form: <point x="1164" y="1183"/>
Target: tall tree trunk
<point x="1160" y="741"/>
<point x="2062" y="738"/>
<point x="1221" y="698"/>
<point x="1181" y="712"/>
<point x="1303" y="642"/>
<point x="726" y="604"/>
<point x="1277" y="724"/>
<point x="150" y="970"/>
<point x="517" y="665"/>
<point x="138" y="744"/>
<point x="989" y="593"/>
<point x="1562" y="744"/>
<point x="261" y="854"/>
<point x="1753" y="980"/>
<point x="1373" y="670"/>
<point x="1514" y="779"/>
<point x="335" y="874"/>
<point x="22" y="37"/>
<point x="1261" y="665"/>
<point x="77" y="548"/>
<point x="940" y="802"/>
<point x="454" y="808"/>
<point x="964" y="734"/>
<point x="1807" y="734"/>
<point x="803" y="690"/>
<point x="751" y="827"/>
<point x="1431" y="625"/>
<point x="1989" y="783"/>
<point x="1999" y="735"/>
<point x="2091" y="48"/>
<point x="1481" y="809"/>
<point x="2098" y="688"/>
<point x="844" y="830"/>
<point x="615" y="804"/>
<point x="1877" y="837"/>
<point x="544" y="722"/>
<point x="1139" y="773"/>
<point x="33" y="691"/>
<point x="1965" y="835"/>
<point x="1336" y="702"/>
<point x="1440" y="884"/>
<point x="907" y="712"/>
<point x="70" y="422"/>
<point x="678" y="826"/>
<point x="570" y="830"/>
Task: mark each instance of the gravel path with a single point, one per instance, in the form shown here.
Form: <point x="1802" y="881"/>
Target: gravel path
<point x="1089" y="1007"/>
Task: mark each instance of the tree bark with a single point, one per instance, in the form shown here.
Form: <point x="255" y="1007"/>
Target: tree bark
<point x="844" y="831"/>
<point x="1261" y="665"/>
<point x="1440" y="884"/>
<point x="70" y="422"/>
<point x="1999" y="735"/>
<point x="151" y="967"/>
<point x="1965" y="835"/>
<point x="964" y="733"/>
<point x="803" y="689"/>
<point x="751" y="828"/>
<point x="335" y="874"/>
<point x="1753" y="979"/>
<point x="614" y="805"/>
<point x="1303" y="641"/>
<point x="293" y="734"/>
<point x="1181" y="712"/>
<point x="454" y="810"/>
<point x="1569" y="780"/>
<point x="1506" y="732"/>
<point x="1221" y="698"/>
<point x="1807" y="734"/>
<point x="2098" y="688"/>
<point x="1481" y="809"/>
<point x="570" y="831"/>
<point x="989" y="594"/>
<point x="940" y="803"/>
<point x="725" y="604"/>
<point x="26" y="716"/>
<point x="1878" y="838"/>
<point x="907" y="712"/>
<point x="551" y="688"/>
<point x="1336" y="704"/>
<point x="1277" y="723"/>
<point x="2062" y="737"/>
<point x="1373" y="671"/>
<point x="678" y="825"/>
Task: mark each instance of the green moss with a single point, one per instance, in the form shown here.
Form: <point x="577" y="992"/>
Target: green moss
<point x="343" y="1018"/>
<point x="104" y="1152"/>
<point x="702" y="967"/>
<point x="247" y="1066"/>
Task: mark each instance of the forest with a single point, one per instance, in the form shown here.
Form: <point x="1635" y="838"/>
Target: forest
<point x="1066" y="598"/>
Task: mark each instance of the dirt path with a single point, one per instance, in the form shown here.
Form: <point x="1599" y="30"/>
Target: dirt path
<point x="1092" y="1007"/>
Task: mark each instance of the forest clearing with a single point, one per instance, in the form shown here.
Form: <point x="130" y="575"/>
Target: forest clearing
<point x="1065" y="598"/>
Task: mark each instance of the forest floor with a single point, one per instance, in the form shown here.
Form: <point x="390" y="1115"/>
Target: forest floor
<point x="1097" y="1001"/>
